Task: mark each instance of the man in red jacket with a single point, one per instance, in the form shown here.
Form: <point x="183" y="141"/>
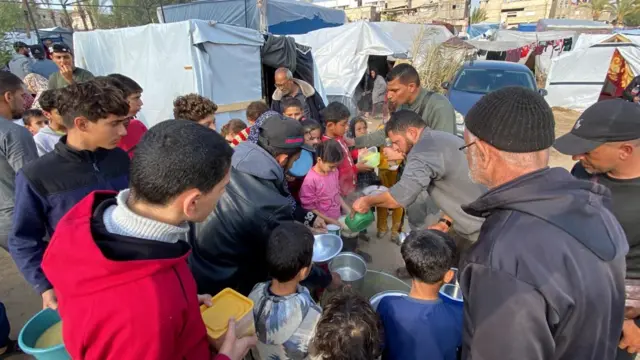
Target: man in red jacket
<point x="118" y="261"/>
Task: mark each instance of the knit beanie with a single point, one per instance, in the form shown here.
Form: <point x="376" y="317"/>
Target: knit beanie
<point x="513" y="119"/>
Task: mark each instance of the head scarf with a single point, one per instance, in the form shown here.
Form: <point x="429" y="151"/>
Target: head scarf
<point x="36" y="84"/>
<point x="253" y="138"/>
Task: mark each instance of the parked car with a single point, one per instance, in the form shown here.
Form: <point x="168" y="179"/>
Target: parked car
<point x="477" y="78"/>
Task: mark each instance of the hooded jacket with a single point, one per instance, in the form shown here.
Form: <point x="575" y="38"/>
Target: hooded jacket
<point x="313" y="101"/>
<point x="284" y="324"/>
<point x="230" y="247"/>
<point x="122" y="297"/>
<point x="47" y="188"/>
<point x="545" y="280"/>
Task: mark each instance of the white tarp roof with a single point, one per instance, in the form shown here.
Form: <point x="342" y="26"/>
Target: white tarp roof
<point x="576" y="78"/>
<point x="341" y="53"/>
<point x="221" y="62"/>
<point x="510" y="39"/>
<point x="245" y="13"/>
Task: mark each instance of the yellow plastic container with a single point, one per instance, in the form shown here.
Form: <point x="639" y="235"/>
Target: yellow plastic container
<point x="228" y="304"/>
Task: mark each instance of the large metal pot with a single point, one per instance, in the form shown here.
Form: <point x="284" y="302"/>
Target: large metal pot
<point x="351" y="268"/>
<point x="377" y="281"/>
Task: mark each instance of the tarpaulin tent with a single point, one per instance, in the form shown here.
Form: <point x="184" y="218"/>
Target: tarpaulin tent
<point x="220" y="62"/>
<point x="582" y="26"/>
<point x="341" y="53"/>
<point x="285" y="17"/>
<point x="477" y="30"/>
<point x="577" y="78"/>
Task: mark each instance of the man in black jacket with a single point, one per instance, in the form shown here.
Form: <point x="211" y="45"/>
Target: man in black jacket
<point x="606" y="141"/>
<point x="230" y="247"/>
<point x="545" y="280"/>
<point x="288" y="87"/>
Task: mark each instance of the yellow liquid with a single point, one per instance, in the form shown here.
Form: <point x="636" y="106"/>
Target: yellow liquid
<point x="51" y="337"/>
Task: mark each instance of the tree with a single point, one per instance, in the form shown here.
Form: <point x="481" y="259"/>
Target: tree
<point x="597" y="7"/>
<point x="623" y="8"/>
<point x="11" y="18"/>
<point x="478" y="15"/>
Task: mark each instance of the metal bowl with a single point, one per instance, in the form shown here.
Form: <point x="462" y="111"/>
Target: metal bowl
<point x="375" y="299"/>
<point x="326" y="247"/>
<point x="377" y="281"/>
<point x="451" y="293"/>
<point x="351" y="267"/>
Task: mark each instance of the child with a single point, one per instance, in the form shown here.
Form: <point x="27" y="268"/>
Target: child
<point x="49" y="136"/>
<point x="196" y="108"/>
<point x="358" y="127"/>
<point x="84" y="160"/>
<point x="116" y="249"/>
<point x="135" y="128"/>
<point x="34" y="120"/>
<point x="232" y="128"/>
<point x="312" y="132"/>
<point x="336" y="116"/>
<point x="348" y="329"/>
<point x="292" y="107"/>
<point x="254" y="111"/>
<point x="422" y="326"/>
<point x="320" y="190"/>
<point x="284" y="312"/>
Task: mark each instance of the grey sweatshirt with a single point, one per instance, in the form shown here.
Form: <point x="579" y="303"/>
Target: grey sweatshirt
<point x="436" y="166"/>
<point x="16" y="149"/>
<point x="435" y="109"/>
<point x="46" y="139"/>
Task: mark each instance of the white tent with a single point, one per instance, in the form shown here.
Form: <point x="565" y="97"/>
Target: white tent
<point x="341" y="53"/>
<point x="576" y="78"/>
<point x="221" y="62"/>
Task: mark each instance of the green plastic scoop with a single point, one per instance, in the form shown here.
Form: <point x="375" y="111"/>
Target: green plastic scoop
<point x="359" y="221"/>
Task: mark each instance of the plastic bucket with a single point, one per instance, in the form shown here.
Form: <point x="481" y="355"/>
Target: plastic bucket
<point x="32" y="330"/>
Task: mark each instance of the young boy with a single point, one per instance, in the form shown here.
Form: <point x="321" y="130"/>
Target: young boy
<point x="254" y="111"/>
<point x="49" y="136"/>
<point x="336" y="117"/>
<point x="196" y="108"/>
<point x="231" y="129"/>
<point x="135" y="128"/>
<point x="349" y="329"/>
<point x="421" y="325"/>
<point x="284" y="312"/>
<point x="292" y="107"/>
<point x="128" y="252"/>
<point x="84" y="160"/>
<point x="34" y="120"/>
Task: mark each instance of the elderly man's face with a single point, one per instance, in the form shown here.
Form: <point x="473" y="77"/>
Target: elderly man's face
<point x="283" y="84"/>
<point x="471" y="152"/>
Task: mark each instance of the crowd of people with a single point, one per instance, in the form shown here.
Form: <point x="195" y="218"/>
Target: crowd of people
<point x="126" y="231"/>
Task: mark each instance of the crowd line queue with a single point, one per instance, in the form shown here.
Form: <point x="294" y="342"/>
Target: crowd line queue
<point x="120" y="227"/>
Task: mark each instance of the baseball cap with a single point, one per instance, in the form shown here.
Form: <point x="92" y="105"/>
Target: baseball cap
<point x="605" y="121"/>
<point x="37" y="50"/>
<point x="60" y="47"/>
<point x="283" y="133"/>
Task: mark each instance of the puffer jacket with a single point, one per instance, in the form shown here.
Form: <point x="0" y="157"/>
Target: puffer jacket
<point x="230" y="246"/>
<point x="545" y="280"/>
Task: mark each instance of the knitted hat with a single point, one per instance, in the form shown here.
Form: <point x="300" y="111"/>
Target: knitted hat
<point x="513" y="119"/>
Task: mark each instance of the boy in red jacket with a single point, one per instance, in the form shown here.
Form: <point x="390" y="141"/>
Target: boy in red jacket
<point x="118" y="261"/>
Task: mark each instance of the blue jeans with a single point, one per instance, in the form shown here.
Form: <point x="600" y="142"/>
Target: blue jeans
<point x="5" y="329"/>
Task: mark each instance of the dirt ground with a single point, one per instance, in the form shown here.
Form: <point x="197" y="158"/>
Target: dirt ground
<point x="22" y="302"/>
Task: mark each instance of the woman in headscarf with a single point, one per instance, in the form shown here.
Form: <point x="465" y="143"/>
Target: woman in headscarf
<point x="36" y="84"/>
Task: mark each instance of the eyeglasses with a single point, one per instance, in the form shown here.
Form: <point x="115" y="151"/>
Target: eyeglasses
<point x="466" y="146"/>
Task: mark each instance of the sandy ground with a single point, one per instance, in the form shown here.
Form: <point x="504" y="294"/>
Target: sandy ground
<point x="22" y="302"/>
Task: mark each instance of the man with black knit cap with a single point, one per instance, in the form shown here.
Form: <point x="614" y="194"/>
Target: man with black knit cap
<point x="606" y="142"/>
<point x="545" y="280"/>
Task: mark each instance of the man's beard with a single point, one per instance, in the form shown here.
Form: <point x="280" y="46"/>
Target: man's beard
<point x="474" y="170"/>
